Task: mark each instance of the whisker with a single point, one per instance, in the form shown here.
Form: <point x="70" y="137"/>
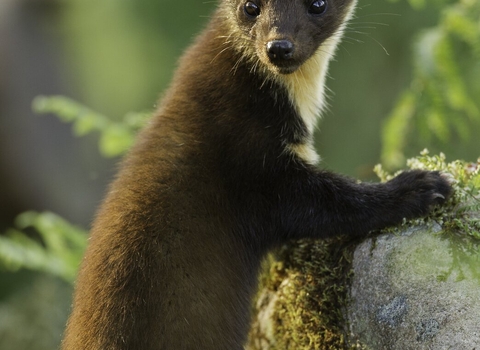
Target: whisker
<point x="358" y="32"/>
<point x="379" y="43"/>
<point x="355" y="40"/>
<point x="378" y="14"/>
<point x="370" y="37"/>
<point x="362" y="27"/>
<point x="344" y="48"/>
<point x="375" y="23"/>
<point x="218" y="54"/>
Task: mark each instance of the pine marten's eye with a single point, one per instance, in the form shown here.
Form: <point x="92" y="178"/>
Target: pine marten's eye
<point x="251" y="9"/>
<point x="317" y="7"/>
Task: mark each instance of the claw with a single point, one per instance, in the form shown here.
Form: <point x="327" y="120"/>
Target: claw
<point x="438" y="195"/>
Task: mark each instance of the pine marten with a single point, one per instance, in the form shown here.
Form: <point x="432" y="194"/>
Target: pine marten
<point x="224" y="172"/>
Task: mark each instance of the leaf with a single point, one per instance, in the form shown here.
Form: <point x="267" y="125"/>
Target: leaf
<point x="423" y="52"/>
<point x="17" y="251"/>
<point x="137" y="120"/>
<point x="88" y="122"/>
<point x="65" y="108"/>
<point x="457" y="22"/>
<point x="115" y="141"/>
<point x="59" y="252"/>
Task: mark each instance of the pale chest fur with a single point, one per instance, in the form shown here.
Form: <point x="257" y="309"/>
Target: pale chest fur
<point x="306" y="90"/>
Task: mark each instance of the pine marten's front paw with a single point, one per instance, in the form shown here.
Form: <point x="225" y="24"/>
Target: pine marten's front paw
<point x="418" y="191"/>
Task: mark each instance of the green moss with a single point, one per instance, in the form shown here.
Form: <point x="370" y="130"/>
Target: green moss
<point x="302" y="296"/>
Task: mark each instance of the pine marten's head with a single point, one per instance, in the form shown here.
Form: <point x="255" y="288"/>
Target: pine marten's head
<point x="290" y="42"/>
<point x="282" y="35"/>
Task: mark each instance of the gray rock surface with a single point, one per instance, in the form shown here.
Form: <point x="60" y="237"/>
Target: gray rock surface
<point x="417" y="290"/>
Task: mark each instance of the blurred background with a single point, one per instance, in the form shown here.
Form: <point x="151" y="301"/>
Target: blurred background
<point x="117" y="56"/>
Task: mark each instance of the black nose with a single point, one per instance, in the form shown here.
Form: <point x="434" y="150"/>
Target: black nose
<point x="280" y="50"/>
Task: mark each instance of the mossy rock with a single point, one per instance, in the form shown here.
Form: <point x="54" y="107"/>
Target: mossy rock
<point x="410" y="287"/>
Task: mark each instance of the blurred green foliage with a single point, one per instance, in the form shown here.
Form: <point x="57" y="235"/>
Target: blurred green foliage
<point x="56" y="246"/>
<point x="442" y="100"/>
<point x="116" y="137"/>
<point x="121" y="54"/>
<point x="57" y="249"/>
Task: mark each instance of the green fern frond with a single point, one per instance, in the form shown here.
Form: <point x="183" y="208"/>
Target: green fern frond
<point x="115" y="137"/>
<point x="59" y="250"/>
